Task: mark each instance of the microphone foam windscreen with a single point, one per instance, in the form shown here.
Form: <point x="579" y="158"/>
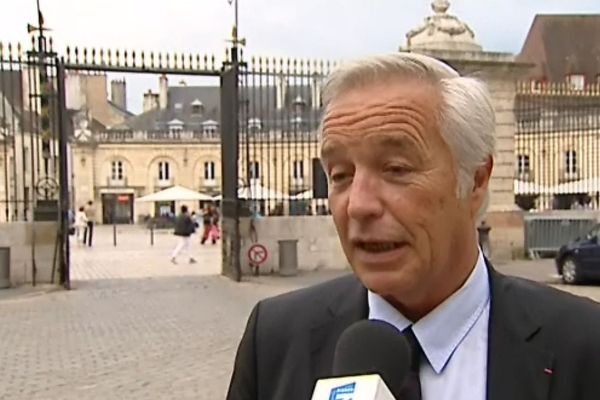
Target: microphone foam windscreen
<point x="373" y="347"/>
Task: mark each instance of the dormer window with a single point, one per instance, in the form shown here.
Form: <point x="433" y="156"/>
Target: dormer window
<point x="197" y="107"/>
<point x="299" y="105"/>
<point x="576" y="81"/>
<point x="175" y="125"/>
<point x="178" y="106"/>
<point x="297" y="122"/>
<point x="254" y="125"/>
<point x="209" y="128"/>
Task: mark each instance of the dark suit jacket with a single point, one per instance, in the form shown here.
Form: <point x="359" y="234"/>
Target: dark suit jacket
<point x="543" y="343"/>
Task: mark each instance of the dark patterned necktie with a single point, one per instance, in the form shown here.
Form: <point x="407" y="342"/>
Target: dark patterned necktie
<point x="412" y="387"/>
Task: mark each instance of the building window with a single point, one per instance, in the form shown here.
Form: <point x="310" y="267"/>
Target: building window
<point x="297" y="122"/>
<point x="116" y="171"/>
<point x="209" y="128"/>
<point x="175" y="126"/>
<point x="164" y="172"/>
<point x="254" y="125"/>
<point x="522" y="164"/>
<point x="209" y="171"/>
<point x="571" y="162"/>
<point x="298" y="170"/>
<point x="197" y="107"/>
<point x="26" y="159"/>
<point x="254" y="170"/>
<point x="576" y="81"/>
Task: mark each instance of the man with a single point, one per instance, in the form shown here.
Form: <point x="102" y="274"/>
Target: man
<point x="90" y="214"/>
<point x="184" y="228"/>
<point x="407" y="145"/>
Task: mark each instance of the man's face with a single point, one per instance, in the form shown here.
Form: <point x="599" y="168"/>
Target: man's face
<point x="393" y="189"/>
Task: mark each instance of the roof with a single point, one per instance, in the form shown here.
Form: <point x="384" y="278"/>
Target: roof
<point x="126" y="113"/>
<point x="560" y="45"/>
<point x="256" y="102"/>
<point x="10" y="86"/>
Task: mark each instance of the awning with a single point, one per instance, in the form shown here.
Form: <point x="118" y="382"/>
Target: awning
<point x="175" y="193"/>
<point x="258" y="192"/>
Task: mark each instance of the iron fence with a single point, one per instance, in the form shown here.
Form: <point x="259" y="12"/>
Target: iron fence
<point x="280" y="108"/>
<point x="29" y="131"/>
<point x="557" y="147"/>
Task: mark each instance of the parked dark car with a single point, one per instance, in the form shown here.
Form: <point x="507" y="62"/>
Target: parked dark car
<point x="579" y="260"/>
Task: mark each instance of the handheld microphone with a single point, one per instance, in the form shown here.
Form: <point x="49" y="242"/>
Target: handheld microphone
<point x="371" y="362"/>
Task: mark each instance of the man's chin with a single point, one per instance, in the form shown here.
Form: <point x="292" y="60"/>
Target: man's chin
<point x="384" y="282"/>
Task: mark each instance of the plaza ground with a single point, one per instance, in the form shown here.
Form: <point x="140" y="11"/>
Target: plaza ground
<point x="136" y="326"/>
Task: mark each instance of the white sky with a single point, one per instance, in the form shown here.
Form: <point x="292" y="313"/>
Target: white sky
<point x="330" y="29"/>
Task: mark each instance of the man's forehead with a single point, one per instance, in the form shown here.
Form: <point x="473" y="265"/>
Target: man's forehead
<point x="384" y="90"/>
<point x="335" y="144"/>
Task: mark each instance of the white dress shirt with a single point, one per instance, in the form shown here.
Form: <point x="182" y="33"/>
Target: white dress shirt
<point x="454" y="338"/>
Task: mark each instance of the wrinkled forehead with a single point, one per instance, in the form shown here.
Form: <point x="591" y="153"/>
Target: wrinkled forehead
<point x="409" y="108"/>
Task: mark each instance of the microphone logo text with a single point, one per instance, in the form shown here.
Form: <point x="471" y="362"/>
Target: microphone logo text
<point x="345" y="392"/>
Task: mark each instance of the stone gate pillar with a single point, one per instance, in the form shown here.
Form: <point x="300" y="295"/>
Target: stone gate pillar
<point x="447" y="38"/>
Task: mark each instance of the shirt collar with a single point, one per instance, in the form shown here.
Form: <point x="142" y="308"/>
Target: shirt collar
<point x="443" y="329"/>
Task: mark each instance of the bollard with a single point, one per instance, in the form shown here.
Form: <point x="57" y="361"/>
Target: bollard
<point x="152" y="234"/>
<point x="288" y="257"/>
<point x="114" y="234"/>
<point x="4" y="267"/>
<point x="484" y="239"/>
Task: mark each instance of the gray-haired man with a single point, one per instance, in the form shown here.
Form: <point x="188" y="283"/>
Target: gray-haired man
<point x="408" y="146"/>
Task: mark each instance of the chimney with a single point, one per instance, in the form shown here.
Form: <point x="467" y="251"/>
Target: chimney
<point x="163" y="88"/>
<point x="315" y="91"/>
<point x="118" y="94"/>
<point x="150" y="101"/>
<point x="281" y="90"/>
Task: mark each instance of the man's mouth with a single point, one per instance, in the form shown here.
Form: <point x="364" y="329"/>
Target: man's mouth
<point x="378" y="247"/>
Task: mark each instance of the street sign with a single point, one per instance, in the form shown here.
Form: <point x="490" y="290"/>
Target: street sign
<point x="257" y="254"/>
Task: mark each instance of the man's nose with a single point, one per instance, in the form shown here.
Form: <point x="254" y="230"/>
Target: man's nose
<point x="364" y="202"/>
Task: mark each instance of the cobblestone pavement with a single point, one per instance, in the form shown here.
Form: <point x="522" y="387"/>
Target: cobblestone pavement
<point x="137" y="327"/>
<point x="135" y="257"/>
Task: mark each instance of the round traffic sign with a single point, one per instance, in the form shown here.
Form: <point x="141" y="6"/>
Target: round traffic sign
<point x="257" y="254"/>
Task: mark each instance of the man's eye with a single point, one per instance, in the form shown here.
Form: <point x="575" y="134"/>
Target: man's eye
<point x="337" y="177"/>
<point x="398" y="169"/>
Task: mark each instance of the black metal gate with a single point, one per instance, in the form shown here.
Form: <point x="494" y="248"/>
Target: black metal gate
<point x="33" y="146"/>
<point x="269" y="113"/>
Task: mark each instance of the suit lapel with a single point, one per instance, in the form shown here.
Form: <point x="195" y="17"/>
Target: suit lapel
<point x="519" y="368"/>
<point x="348" y="305"/>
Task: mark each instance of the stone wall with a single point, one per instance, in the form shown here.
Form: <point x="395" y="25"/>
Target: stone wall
<point x="319" y="246"/>
<point x="318" y="243"/>
<point x="28" y="241"/>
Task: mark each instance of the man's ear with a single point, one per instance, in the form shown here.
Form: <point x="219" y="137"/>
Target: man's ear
<point x="481" y="182"/>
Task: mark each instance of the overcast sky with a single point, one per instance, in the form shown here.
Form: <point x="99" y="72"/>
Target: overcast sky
<point x="296" y="28"/>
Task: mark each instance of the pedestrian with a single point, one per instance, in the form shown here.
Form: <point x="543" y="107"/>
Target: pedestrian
<point x="90" y="214"/>
<point x="407" y="145"/>
<point x="184" y="229"/>
<point x="80" y="224"/>
<point x="214" y="231"/>
<point x="194" y="217"/>
<point x="207" y="222"/>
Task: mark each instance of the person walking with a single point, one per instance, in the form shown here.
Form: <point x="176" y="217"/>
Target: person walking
<point x="90" y="214"/>
<point x="207" y="222"/>
<point x="214" y="233"/>
<point x="80" y="225"/>
<point x="184" y="228"/>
